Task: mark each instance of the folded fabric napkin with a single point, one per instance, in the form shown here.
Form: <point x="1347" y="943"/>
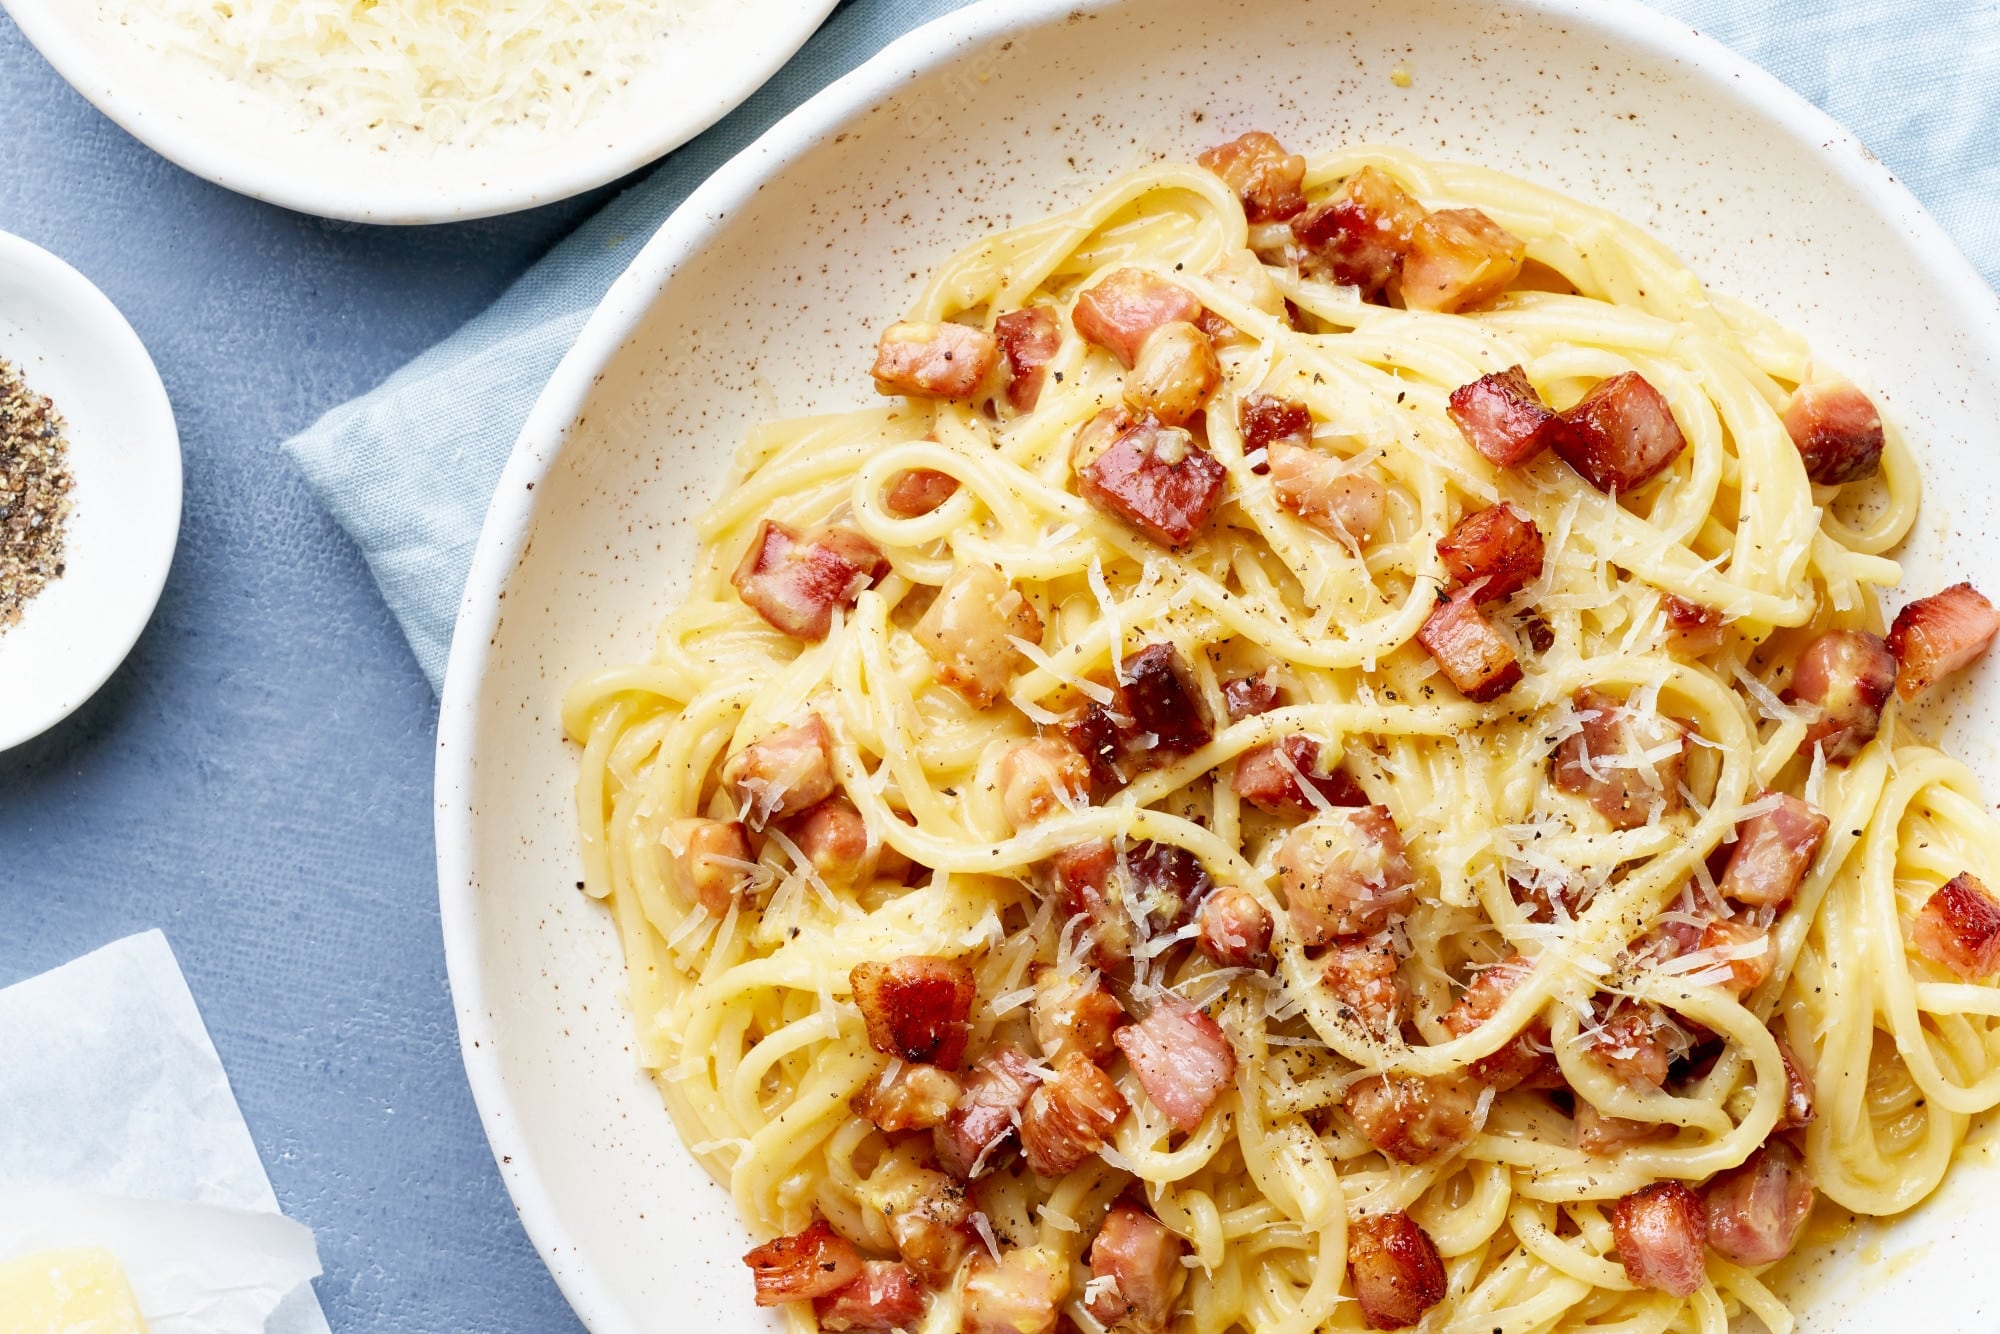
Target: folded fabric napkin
<point x="408" y="468"/>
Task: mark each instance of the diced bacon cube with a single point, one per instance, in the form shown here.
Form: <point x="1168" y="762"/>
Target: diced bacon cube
<point x="915" y="492"/>
<point x="1848" y="674"/>
<point x="1629" y="779"/>
<point x="1083" y="876"/>
<point x="1693" y="630"/>
<point x="814" y="1263"/>
<point x="1773" y="853"/>
<point x="1162" y="884"/>
<point x="1346" y="506"/>
<point x="968" y="630"/>
<point x="1268" y="180"/>
<point x="1838" y="432"/>
<point x="1021" y="1293"/>
<point x="915" y="1097"/>
<point x="1756" y="1211"/>
<point x="1070" y="1116"/>
<point x="1345" y="873"/>
<point x="1100" y="738"/>
<point x="1136" y="1271"/>
<point x="787" y="772"/>
<point x="1632" y="1044"/>
<point x="1495" y="552"/>
<point x="1266" y="420"/>
<point x="1160" y="698"/>
<point x="1042" y="777"/>
<point x="1249" y="696"/>
<point x="1360" y="236"/>
<point x="1548" y="895"/>
<point x="1074" y="1012"/>
<point x="996" y="1094"/>
<point x="1029" y="340"/>
<point x="1528" y="1057"/>
<point x="916" y="1007"/>
<point x="1458" y="258"/>
<point x="1936" y="636"/>
<point x="1274" y="777"/>
<point x="1235" y="929"/>
<point x="1361" y="976"/>
<point x="1620" y="435"/>
<point x="885" y="1297"/>
<point x="1156" y="478"/>
<point x="1800" y="1096"/>
<point x="1182" y="1059"/>
<point x="1959" y="928"/>
<point x="1414" y="1118"/>
<point x="1747" y="951"/>
<point x="834" y="839"/>
<point x="795" y="582"/>
<point x="714" y="862"/>
<point x="927" y="1212"/>
<point x="1174" y="374"/>
<point x="1469" y="651"/>
<point x="1397" y="1272"/>
<point x="1502" y="417"/>
<point x="933" y="360"/>
<point x="1605" y="1136"/>
<point x="1126" y="306"/>
<point x="1660" y="1231"/>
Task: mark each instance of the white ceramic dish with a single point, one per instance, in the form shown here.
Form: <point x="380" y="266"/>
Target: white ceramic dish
<point x="823" y="226"/>
<point x="727" y="51"/>
<point x="70" y="343"/>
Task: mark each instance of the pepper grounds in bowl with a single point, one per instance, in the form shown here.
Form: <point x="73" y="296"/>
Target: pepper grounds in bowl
<point x="34" y="494"/>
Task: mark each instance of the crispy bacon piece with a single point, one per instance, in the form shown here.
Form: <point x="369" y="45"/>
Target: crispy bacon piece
<point x="1414" y="1118"/>
<point x="1164" y="885"/>
<point x="1346" y="506"/>
<point x="1849" y="674"/>
<point x="1604" y="1135"/>
<point x="1502" y="417"/>
<point x="1155" y="883"/>
<point x="1692" y="629"/>
<point x="1273" y="777"/>
<point x="914" y="1097"/>
<point x="1028" y="341"/>
<point x="1397" y="1272"/>
<point x="968" y="630"/>
<point x="1042" y="777"/>
<point x="782" y="774"/>
<point x="1494" y="552"/>
<point x="1459" y="257"/>
<point x="1174" y="374"/>
<point x="1620" y="435"/>
<point x="1838" y="431"/>
<point x="1181" y="1057"/>
<point x="1659" y="1231"/>
<point x="1773" y="853"/>
<point x="1070" y="1116"/>
<point x="1269" y="181"/>
<point x="1249" y="696"/>
<point x="1156" y="478"/>
<point x="1631" y="1043"/>
<point x="1800" y="1099"/>
<point x="1469" y="651"/>
<point x="1528" y="1057"/>
<point x="1235" y="929"/>
<point x="1141" y="1258"/>
<point x="1748" y="950"/>
<point x="1266" y="420"/>
<point x="1072" y="1013"/>
<point x="1021" y="1293"/>
<point x="1129" y="304"/>
<point x="916" y="1007"/>
<point x="1155" y="717"/>
<point x="1625" y="785"/>
<point x="1345" y="873"/>
<point x="804" y="1265"/>
<point x="1361" y="974"/>
<point x="915" y="492"/>
<point x="933" y="360"/>
<point x="1082" y="876"/>
<point x="927" y="1212"/>
<point x="834" y="838"/>
<point x="1935" y="636"/>
<point x="1360" y="236"/>
<point x="1756" y="1211"/>
<point x="713" y="864"/>
<point x="996" y="1093"/>
<point x="795" y="582"/>
<point x="1959" y="928"/>
<point x="1548" y="896"/>
<point x="884" y="1297"/>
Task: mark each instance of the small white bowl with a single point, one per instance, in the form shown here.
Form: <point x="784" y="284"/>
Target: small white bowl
<point x="70" y="344"/>
<point x="234" y="137"/>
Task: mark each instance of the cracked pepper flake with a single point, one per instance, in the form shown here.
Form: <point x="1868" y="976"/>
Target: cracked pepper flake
<point x="34" y="494"/>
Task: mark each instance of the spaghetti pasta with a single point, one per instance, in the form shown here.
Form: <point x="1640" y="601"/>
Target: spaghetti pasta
<point x="1373" y="883"/>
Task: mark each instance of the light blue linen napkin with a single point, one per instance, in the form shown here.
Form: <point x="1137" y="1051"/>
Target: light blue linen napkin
<point x="408" y="468"/>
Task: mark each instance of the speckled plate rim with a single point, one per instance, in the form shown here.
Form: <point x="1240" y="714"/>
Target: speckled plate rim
<point x="710" y="209"/>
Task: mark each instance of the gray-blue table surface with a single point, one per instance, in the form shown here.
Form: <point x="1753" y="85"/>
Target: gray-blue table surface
<point x="256" y="779"/>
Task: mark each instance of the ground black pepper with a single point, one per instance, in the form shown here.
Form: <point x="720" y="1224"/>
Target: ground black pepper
<point x="34" y="494"/>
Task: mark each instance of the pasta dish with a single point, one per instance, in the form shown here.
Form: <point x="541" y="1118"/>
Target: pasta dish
<point x="1326" y="756"/>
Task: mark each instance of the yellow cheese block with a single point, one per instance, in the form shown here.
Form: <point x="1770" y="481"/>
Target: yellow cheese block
<point x="67" y="1292"/>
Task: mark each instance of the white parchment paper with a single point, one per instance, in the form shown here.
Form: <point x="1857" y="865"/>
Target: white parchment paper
<point x="118" y="1129"/>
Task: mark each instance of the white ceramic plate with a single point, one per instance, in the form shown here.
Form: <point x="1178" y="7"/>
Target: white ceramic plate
<point x="762" y="297"/>
<point x="70" y="344"/>
<point x="725" y="52"/>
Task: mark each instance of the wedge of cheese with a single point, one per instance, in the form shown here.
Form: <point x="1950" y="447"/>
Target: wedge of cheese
<point x="67" y="1292"/>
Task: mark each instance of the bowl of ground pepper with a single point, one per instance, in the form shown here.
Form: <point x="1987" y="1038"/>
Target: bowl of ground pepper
<point x="90" y="489"/>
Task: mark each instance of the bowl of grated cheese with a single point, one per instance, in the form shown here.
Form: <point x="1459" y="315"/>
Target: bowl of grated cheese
<point x="415" y="111"/>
